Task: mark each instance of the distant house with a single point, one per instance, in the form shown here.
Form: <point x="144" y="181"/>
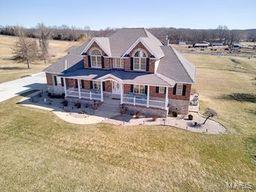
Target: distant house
<point x="203" y="44"/>
<point x="182" y="43"/>
<point x="236" y="46"/>
<point x="131" y="65"/>
<point x="217" y="44"/>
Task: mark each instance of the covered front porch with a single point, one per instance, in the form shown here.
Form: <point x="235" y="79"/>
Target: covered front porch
<point x="129" y="93"/>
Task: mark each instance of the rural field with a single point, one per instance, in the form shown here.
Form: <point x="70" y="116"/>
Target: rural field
<point x="10" y="69"/>
<point x="40" y="152"/>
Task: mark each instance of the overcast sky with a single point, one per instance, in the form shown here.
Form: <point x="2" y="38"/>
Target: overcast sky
<point x="99" y="14"/>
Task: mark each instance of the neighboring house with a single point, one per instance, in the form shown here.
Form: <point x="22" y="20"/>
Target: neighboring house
<point x="182" y="43"/>
<point x="217" y="44"/>
<point x="203" y="44"/>
<point x="131" y="65"/>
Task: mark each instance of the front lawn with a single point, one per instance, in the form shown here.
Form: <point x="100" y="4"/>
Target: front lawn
<point x="39" y="152"/>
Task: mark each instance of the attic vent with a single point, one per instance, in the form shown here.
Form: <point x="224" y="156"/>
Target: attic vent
<point x="66" y="64"/>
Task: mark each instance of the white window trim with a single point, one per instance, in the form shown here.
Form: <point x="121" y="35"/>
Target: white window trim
<point x="179" y="89"/>
<point x="139" y="89"/>
<point x="96" y="85"/>
<point x="98" y="59"/>
<point x="115" y="65"/>
<point x="162" y="90"/>
<point x="140" y="59"/>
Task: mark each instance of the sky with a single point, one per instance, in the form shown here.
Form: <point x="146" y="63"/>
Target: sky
<point x="99" y="14"/>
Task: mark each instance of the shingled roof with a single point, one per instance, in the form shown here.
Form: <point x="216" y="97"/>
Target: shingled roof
<point x="171" y="66"/>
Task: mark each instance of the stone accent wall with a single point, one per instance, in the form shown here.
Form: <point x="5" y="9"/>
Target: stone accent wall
<point x="49" y="79"/>
<point x="146" y="111"/>
<point x="181" y="97"/>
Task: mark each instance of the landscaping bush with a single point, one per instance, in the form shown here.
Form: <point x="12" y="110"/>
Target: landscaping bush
<point x="137" y="114"/>
<point x="190" y="117"/>
<point x="65" y="103"/>
<point x="154" y="117"/>
<point x="174" y="114"/>
<point x="56" y="96"/>
<point x="78" y="105"/>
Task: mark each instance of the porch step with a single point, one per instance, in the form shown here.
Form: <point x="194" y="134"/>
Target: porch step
<point x="109" y="108"/>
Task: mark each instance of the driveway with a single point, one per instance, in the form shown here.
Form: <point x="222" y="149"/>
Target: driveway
<point x="16" y="87"/>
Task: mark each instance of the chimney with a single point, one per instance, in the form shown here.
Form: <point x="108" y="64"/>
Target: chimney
<point x="66" y="64"/>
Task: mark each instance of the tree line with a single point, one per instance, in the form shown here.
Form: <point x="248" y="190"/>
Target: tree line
<point x="72" y="33"/>
<point x="27" y="49"/>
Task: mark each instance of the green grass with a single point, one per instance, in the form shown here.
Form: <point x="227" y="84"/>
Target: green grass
<point x="39" y="152"/>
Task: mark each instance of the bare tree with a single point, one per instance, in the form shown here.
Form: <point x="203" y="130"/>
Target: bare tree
<point x="209" y="113"/>
<point x="25" y="49"/>
<point x="44" y="34"/>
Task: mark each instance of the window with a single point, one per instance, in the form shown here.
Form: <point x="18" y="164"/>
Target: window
<point x="162" y="90"/>
<point x="118" y="63"/>
<point x="179" y="88"/>
<point x="96" y="85"/>
<point x="96" y="59"/>
<point x="140" y="61"/>
<point x="139" y="89"/>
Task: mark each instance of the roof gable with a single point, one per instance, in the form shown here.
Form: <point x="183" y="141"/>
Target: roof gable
<point x="101" y="42"/>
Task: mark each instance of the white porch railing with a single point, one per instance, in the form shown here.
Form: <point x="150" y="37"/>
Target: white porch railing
<point x="85" y="94"/>
<point x="136" y="100"/>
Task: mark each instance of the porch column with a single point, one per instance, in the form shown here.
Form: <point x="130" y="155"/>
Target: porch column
<point x="166" y="98"/>
<point x="65" y="86"/>
<point x="121" y="86"/>
<point x="101" y="91"/>
<point x="79" y="88"/>
<point x="148" y="97"/>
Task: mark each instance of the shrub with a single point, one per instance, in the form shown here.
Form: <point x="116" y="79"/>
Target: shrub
<point x="154" y="117"/>
<point x="174" y="114"/>
<point x="137" y="114"/>
<point x="65" y="103"/>
<point x="190" y="117"/>
<point x="78" y="105"/>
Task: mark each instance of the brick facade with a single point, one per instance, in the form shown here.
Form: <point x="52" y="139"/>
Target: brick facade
<point x="49" y="79"/>
<point x="127" y="88"/>
<point x="108" y="86"/>
<point x="181" y="97"/>
<point x="86" y="61"/>
<point x="108" y="62"/>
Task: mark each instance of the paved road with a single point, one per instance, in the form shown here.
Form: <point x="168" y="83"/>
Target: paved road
<point x="13" y="88"/>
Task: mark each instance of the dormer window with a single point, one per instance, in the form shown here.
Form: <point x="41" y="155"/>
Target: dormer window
<point x="96" y="58"/>
<point x="139" y="60"/>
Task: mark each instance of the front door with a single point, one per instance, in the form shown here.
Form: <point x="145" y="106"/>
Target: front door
<point x="116" y="88"/>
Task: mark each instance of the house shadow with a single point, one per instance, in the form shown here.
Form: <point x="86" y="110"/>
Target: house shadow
<point x="31" y="88"/>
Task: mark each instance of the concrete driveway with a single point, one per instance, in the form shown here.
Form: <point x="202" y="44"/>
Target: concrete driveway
<point x="16" y="87"/>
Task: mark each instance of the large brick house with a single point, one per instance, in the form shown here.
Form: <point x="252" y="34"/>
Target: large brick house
<point x="131" y="65"/>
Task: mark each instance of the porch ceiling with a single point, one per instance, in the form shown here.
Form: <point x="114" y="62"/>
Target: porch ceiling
<point x="126" y="77"/>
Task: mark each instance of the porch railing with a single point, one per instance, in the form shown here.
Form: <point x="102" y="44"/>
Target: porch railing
<point x="85" y="94"/>
<point x="142" y="101"/>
